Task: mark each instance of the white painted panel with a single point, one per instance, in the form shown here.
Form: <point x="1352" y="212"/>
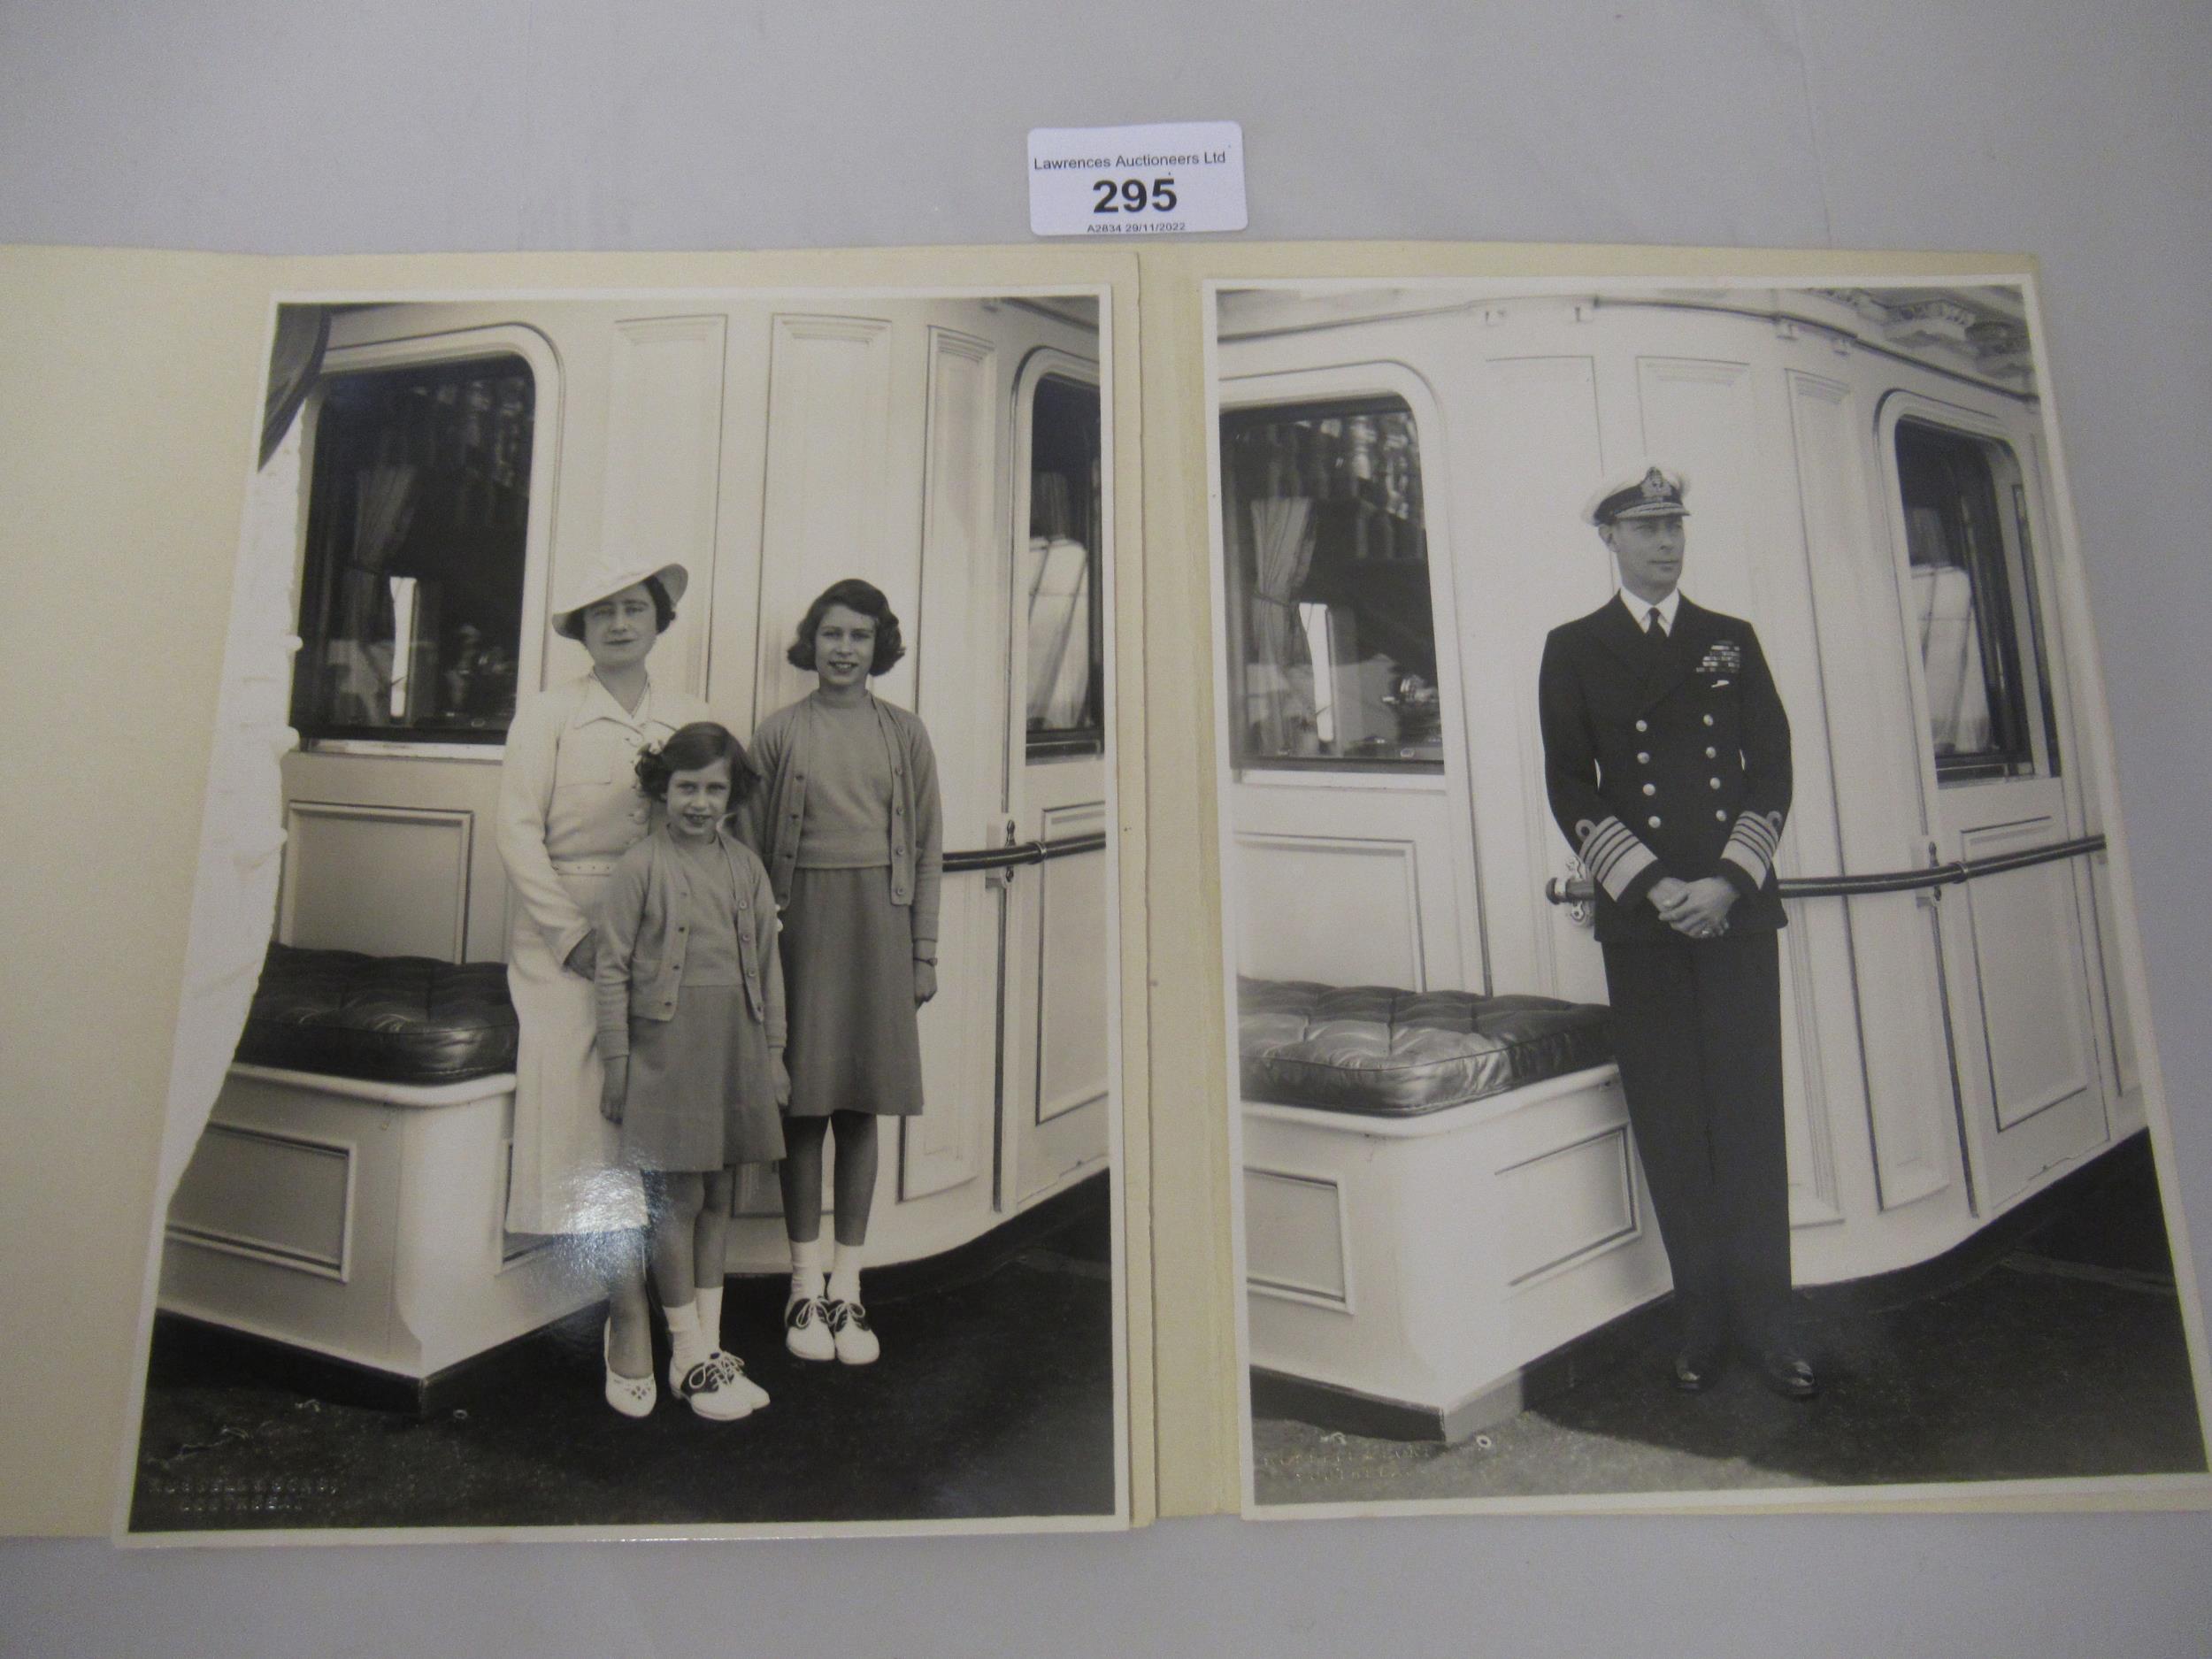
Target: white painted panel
<point x="1539" y="420"/>
<point x="1567" y="1204"/>
<point x="1340" y="910"/>
<point x="1294" y="1237"/>
<point x="1703" y="415"/>
<point x="1698" y="418"/>
<point x="663" y="452"/>
<point x="1072" y="1066"/>
<point x="961" y="595"/>
<point x="2120" y="1029"/>
<point x="277" y="1198"/>
<point x="2032" y="992"/>
<point x="829" y="505"/>
<point x="387" y="882"/>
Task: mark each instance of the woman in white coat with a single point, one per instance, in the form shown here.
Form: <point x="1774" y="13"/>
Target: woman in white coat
<point x="569" y="807"/>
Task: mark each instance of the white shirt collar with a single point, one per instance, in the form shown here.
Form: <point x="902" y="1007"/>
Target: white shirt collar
<point x="1640" y="609"/>
<point x="599" y="704"/>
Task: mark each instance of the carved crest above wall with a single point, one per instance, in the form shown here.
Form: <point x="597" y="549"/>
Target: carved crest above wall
<point x="1983" y="331"/>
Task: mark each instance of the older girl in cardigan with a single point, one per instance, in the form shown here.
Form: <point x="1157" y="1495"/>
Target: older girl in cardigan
<point x="847" y="821"/>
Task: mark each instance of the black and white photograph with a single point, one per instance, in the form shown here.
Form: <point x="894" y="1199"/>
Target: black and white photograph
<point x="1680" y="1037"/>
<point x="649" y="1056"/>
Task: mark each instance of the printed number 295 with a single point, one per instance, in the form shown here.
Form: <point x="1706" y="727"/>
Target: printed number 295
<point x="1129" y="195"/>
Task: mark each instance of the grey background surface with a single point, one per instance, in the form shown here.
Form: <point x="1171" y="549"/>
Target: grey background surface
<point x="2077" y="133"/>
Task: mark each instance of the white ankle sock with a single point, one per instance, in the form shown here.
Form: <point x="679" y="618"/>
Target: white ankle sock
<point x="844" y="1281"/>
<point x="709" y="1303"/>
<point x="806" y="1270"/>
<point x="691" y="1348"/>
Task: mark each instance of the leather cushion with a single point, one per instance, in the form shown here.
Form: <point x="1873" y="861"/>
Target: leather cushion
<point x="387" y="1019"/>
<point x="1387" y="1053"/>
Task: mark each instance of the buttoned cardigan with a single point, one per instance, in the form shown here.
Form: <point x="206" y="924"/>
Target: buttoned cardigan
<point x="644" y="932"/>
<point x="769" y="821"/>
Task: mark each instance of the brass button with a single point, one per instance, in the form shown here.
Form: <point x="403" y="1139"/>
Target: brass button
<point x="1643" y="757"/>
<point x="1714" y="781"/>
<point x="1645" y="726"/>
<point x="1651" y="789"/>
<point x="1708" y="719"/>
<point x="1653" y="820"/>
<point x="1723" y="816"/>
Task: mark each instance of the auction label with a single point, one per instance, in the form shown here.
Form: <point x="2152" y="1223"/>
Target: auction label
<point x="1177" y="176"/>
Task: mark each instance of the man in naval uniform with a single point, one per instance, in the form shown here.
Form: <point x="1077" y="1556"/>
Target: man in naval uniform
<point x="1667" y="760"/>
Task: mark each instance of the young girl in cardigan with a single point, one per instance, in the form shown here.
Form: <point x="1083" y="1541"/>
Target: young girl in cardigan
<point x="691" y="1034"/>
<point x="847" y="821"/>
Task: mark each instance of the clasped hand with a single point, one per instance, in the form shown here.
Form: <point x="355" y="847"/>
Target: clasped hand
<point x="1696" y="910"/>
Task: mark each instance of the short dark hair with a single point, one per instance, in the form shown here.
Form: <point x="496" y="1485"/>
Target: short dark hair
<point x="854" y="594"/>
<point x="692" y="747"/>
<point x="572" y="622"/>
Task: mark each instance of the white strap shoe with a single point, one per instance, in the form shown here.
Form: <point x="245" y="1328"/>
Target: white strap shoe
<point x="632" y="1396"/>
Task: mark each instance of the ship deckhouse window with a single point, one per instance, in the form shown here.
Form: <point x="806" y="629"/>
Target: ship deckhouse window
<point x="1973" y="600"/>
<point x="1333" y="642"/>
<point x="1067" y="670"/>
<point x="410" y="602"/>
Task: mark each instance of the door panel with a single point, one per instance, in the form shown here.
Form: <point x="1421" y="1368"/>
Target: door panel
<point x="2014" y="944"/>
<point x="1070" y="969"/>
<point x="961" y="594"/>
<point x="1057" y="1067"/>
<point x="2037" y="1055"/>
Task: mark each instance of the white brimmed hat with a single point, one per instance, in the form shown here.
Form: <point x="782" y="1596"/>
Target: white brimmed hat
<point x="607" y="576"/>
<point x="1651" y="491"/>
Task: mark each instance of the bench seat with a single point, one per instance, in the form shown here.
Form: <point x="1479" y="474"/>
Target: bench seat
<point x="386" y="1019"/>
<point x="1375" y="1051"/>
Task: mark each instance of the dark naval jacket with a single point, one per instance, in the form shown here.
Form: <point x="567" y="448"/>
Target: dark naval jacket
<point x="1665" y="758"/>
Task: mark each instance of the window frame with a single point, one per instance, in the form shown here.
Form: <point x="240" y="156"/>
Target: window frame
<point x="1330" y="396"/>
<point x="533" y="622"/>
<point x="1047" y="363"/>
<point x="2025" y="652"/>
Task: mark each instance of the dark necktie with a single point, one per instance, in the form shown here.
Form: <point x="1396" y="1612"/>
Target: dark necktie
<point x="1656" y="625"/>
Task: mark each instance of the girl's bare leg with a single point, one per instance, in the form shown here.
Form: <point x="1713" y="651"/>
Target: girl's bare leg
<point x="673" y="1198"/>
<point x="799" y="1175"/>
<point x="857" y="1157"/>
<point x="710" y="1238"/>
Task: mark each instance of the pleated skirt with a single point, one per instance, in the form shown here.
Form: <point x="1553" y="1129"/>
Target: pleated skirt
<point x="702" y="1094"/>
<point x="855" y="1044"/>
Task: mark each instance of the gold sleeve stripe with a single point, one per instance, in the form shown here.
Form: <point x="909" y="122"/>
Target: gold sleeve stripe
<point x="1752" y="845"/>
<point x="1614" y="857"/>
